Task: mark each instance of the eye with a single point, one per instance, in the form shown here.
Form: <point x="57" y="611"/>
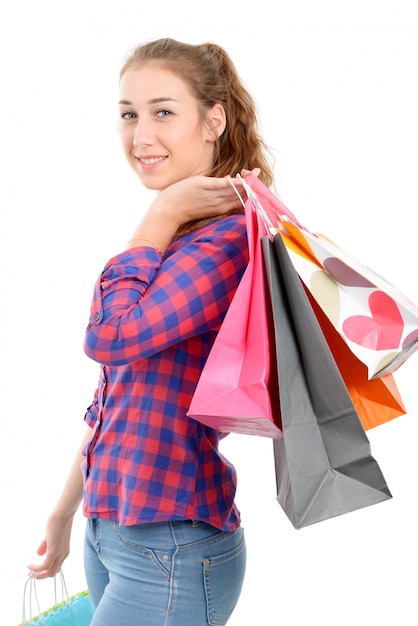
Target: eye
<point x="164" y="113"/>
<point x="128" y="115"/>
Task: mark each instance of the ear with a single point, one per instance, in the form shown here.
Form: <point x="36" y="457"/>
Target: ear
<point x="215" y="122"/>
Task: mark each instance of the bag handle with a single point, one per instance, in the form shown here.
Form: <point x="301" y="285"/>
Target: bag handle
<point x="258" y="207"/>
<point x="30" y="596"/>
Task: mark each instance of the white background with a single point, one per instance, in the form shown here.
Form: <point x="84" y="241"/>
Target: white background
<point x="336" y="85"/>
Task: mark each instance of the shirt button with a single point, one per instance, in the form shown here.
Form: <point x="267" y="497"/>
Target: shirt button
<point x="96" y="317"/>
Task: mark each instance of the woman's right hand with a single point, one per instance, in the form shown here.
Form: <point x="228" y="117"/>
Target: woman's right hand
<point x="194" y="198"/>
<point x="55" y="547"/>
<point x="197" y="197"/>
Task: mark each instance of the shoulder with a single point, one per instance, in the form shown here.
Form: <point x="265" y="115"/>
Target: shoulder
<point x="226" y="233"/>
<point x="231" y="226"/>
<point x="221" y="239"/>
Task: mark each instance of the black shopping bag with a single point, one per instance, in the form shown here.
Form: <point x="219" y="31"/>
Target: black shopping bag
<point x="324" y="466"/>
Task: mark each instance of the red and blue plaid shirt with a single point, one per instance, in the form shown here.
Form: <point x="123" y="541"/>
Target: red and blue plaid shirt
<point x="153" y="321"/>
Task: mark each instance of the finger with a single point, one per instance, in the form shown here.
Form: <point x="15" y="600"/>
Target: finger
<point x="42" y="548"/>
<point x="44" y="574"/>
<point x="45" y="569"/>
<point x="256" y="172"/>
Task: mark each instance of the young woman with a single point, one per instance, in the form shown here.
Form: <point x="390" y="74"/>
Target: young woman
<point x="164" y="544"/>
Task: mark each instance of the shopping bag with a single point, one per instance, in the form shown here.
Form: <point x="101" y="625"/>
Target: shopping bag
<point x="377" y="321"/>
<point x="233" y="393"/>
<point x="323" y="464"/>
<point x="76" y="610"/>
<point x="376" y="400"/>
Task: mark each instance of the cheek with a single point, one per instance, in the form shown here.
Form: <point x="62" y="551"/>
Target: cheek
<point x="126" y="136"/>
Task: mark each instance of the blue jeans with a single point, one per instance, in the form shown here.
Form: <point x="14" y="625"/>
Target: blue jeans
<point x="163" y="574"/>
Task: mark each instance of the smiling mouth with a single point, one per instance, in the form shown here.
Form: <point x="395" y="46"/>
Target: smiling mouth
<point x="150" y="160"/>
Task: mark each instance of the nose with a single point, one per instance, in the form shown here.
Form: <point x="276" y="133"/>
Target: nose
<point x="143" y="135"/>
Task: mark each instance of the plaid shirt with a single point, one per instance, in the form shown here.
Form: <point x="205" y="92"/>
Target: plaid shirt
<point x="153" y="321"/>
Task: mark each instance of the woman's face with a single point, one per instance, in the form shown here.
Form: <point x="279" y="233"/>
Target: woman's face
<point x="161" y="129"/>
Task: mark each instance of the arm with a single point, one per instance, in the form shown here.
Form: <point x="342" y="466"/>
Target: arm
<point x="144" y="303"/>
<point x="55" y="547"/>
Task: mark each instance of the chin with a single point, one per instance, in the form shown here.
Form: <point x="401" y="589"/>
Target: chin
<point x="153" y="184"/>
<point x="156" y="183"/>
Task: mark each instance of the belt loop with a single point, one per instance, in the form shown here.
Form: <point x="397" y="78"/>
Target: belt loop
<point x="173" y="534"/>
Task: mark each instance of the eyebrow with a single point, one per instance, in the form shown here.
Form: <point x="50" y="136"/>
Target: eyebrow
<point x="152" y="101"/>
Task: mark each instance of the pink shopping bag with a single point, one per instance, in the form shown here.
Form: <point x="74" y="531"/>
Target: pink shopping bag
<point x="234" y="393"/>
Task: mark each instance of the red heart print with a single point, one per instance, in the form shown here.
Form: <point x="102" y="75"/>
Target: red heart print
<point x="382" y="331"/>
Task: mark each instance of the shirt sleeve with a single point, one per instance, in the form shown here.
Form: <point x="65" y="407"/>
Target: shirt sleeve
<point x="144" y="302"/>
<point x="92" y="411"/>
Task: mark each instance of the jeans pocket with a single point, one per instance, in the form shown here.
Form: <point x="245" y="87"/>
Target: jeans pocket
<point x="128" y="536"/>
<point x="223" y="578"/>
